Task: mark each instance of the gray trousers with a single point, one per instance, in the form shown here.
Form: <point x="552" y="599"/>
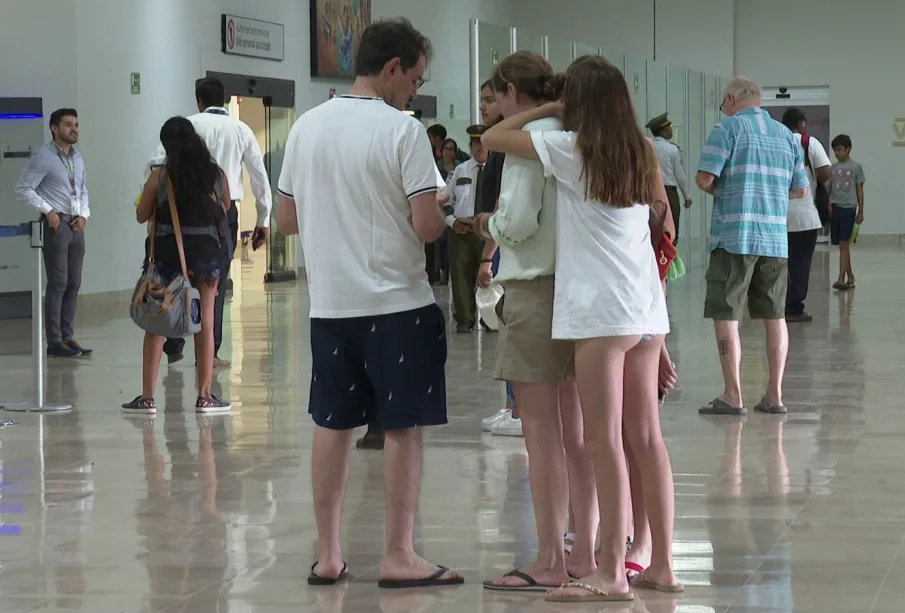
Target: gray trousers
<point x="64" y="252"/>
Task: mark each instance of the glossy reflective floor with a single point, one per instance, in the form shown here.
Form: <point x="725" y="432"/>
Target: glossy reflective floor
<point x="103" y="513"/>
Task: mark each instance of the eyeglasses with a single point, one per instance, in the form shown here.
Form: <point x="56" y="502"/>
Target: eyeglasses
<point x="723" y="103"/>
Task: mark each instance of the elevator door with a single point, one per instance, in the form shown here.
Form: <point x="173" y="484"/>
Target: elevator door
<point x="283" y="253"/>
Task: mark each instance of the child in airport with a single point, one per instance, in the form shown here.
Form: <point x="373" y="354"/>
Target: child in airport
<point x="847" y="206"/>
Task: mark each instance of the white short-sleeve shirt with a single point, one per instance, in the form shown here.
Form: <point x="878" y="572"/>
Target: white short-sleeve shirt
<point x="607" y="282"/>
<point x="803" y="213"/>
<point x="352" y="164"/>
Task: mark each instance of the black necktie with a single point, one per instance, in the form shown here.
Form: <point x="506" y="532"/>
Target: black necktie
<point x="479" y="185"/>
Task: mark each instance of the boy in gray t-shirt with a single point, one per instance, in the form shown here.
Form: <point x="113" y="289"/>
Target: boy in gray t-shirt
<point x="847" y="200"/>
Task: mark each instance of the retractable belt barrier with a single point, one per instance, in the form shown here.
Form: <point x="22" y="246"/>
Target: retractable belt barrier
<point x="34" y="230"/>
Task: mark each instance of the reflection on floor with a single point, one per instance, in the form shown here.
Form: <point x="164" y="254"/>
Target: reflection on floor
<point x="103" y="513"/>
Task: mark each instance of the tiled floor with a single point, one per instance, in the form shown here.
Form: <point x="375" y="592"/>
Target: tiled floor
<point x="105" y="514"/>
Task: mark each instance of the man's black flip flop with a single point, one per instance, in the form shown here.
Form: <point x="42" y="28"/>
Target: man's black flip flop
<point x="434" y="580"/>
<point x="315" y="579"/>
<point x="531" y="584"/>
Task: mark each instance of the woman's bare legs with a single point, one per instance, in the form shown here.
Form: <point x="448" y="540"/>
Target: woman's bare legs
<point x="584" y="517"/>
<point x="640" y="552"/>
<point x="204" y="340"/>
<point x="547" y="472"/>
<point x="150" y="358"/>
<point x="642" y="429"/>
<point x="599" y="365"/>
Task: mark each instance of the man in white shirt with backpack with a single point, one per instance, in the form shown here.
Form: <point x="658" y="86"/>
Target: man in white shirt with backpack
<point x="805" y="217"/>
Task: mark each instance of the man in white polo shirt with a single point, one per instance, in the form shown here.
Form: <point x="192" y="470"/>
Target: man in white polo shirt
<point x="360" y="183"/>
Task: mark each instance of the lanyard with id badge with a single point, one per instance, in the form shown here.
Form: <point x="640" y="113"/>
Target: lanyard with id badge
<point x="69" y="163"/>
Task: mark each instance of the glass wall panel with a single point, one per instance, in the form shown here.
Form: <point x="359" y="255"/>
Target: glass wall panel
<point x="636" y="77"/>
<point x="656" y="89"/>
<point x="692" y="245"/>
<point x="677" y="106"/>
<point x="712" y="101"/>
<point x="559" y="53"/>
<point x="582" y="49"/>
<point x="529" y="41"/>
<point x="494" y="43"/>
<point x="616" y="59"/>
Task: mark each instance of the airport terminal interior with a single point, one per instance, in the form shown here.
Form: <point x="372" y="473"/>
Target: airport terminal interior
<point x="182" y="512"/>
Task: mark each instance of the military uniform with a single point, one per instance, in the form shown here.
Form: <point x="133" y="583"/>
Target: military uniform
<point x="465" y="187"/>
<point x="671" y="167"/>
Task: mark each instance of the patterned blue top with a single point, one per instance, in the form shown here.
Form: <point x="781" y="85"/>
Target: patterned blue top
<point x="756" y="161"/>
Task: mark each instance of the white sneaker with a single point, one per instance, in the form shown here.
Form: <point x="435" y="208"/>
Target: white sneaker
<point x="507" y="426"/>
<point x="487" y="424"/>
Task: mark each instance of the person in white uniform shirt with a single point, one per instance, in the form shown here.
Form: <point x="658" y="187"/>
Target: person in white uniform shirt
<point x="359" y="183"/>
<point x="804" y="220"/>
<point x="609" y="300"/>
<point x="464" y="190"/>
<point x="232" y="144"/>
<point x="675" y="177"/>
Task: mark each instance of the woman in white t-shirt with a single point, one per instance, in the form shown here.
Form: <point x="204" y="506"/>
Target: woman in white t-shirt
<point x="541" y="368"/>
<point x="608" y="300"/>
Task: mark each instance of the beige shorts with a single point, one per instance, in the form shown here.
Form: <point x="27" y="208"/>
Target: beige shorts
<point x="526" y="351"/>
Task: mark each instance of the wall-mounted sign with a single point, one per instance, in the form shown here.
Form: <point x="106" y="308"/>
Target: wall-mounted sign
<point x="135" y="82"/>
<point x="251" y="37"/>
<point x="898" y="132"/>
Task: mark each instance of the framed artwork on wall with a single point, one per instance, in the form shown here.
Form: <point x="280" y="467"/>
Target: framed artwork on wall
<point x="336" y="28"/>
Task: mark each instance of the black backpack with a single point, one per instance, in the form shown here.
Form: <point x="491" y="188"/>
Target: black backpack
<point x="821" y="195"/>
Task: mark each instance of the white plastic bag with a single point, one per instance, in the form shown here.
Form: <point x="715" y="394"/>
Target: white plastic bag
<point x="487" y="299"/>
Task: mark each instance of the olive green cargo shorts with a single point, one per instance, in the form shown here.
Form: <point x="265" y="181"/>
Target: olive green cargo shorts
<point x="733" y="280"/>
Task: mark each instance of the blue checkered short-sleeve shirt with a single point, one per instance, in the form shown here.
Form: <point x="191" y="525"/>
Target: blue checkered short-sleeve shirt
<point x="756" y="161"/>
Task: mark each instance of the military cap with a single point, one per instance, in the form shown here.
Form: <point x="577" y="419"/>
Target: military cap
<point x="476" y="132"/>
<point x="658" y="123"/>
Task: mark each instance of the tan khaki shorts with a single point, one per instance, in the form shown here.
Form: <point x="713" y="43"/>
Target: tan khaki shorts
<point x="526" y="351"/>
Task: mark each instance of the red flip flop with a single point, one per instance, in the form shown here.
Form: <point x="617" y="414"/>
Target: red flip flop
<point x="632" y="567"/>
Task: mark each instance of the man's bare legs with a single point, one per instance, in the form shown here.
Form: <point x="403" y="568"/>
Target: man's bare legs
<point x="777" y="353"/>
<point x="584" y="516"/>
<point x="329" y="476"/>
<point x="403" y="462"/>
<point x="549" y="478"/>
<point x="729" y="346"/>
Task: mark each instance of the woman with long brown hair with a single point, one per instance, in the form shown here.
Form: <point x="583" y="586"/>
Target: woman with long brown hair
<point x="610" y="302"/>
<point x="541" y="369"/>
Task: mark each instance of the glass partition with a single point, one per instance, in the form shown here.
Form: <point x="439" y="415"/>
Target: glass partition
<point x="529" y="41"/>
<point x="494" y="43"/>
<point x="712" y="102"/>
<point x="677" y="106"/>
<point x="692" y="244"/>
<point x="657" y="84"/>
<point x="636" y="77"/>
<point x="284" y="256"/>
<point x="559" y="53"/>
<point x="582" y="49"/>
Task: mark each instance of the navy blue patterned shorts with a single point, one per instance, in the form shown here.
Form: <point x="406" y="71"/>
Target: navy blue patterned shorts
<point x="386" y="369"/>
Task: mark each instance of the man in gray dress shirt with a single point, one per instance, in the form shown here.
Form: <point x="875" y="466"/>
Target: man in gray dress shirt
<point x="53" y="183"/>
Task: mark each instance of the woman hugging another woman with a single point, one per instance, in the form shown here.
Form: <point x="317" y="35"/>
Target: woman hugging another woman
<point x="609" y="304"/>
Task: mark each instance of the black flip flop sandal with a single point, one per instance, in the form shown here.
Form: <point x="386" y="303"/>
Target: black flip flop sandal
<point x="531" y="584"/>
<point x="839" y="285"/>
<point x="315" y="579"/>
<point x="435" y="580"/>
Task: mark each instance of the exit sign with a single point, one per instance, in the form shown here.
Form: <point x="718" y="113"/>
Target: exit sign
<point x="135" y="81"/>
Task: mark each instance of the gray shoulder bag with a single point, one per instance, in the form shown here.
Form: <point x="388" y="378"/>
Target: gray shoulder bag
<point x="173" y="309"/>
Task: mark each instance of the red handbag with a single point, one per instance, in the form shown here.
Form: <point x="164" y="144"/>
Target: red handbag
<point x="664" y="249"/>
